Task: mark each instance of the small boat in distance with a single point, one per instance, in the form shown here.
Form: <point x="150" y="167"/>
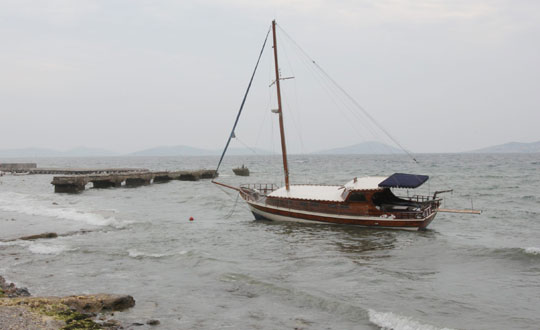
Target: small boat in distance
<point x="363" y="201"/>
<point x="241" y="171"/>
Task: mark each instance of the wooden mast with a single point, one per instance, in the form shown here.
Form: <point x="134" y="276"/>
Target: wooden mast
<point x="280" y="112"/>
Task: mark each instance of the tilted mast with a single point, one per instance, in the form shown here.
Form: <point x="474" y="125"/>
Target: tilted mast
<point x="280" y="112"/>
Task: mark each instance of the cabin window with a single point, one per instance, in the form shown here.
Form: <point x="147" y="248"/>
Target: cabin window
<point x="357" y="197"/>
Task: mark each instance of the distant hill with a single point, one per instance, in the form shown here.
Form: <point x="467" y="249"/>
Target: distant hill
<point x="511" y="147"/>
<point x="364" y="148"/>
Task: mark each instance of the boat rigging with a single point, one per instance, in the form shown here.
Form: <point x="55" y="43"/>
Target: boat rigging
<point x="363" y="201"/>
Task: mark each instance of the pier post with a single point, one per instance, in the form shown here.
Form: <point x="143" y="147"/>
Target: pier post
<point x="189" y="176"/>
<point x="163" y="176"/>
<point x="208" y="174"/>
<point x="69" y="184"/>
<point x="68" y="188"/>
<point x="106" y="183"/>
<point x="138" y="179"/>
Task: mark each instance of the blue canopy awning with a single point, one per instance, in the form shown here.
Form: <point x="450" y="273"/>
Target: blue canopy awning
<point x="402" y="180"/>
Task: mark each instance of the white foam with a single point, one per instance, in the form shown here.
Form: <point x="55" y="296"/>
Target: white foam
<point x="21" y="203"/>
<point x="141" y="254"/>
<point x="38" y="248"/>
<point x="391" y="321"/>
<point x="532" y="250"/>
<point x="13" y="243"/>
<point x="136" y="254"/>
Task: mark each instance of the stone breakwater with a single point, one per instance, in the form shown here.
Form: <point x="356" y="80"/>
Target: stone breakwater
<point x="77" y="183"/>
<point x="18" y="310"/>
<point x="32" y="168"/>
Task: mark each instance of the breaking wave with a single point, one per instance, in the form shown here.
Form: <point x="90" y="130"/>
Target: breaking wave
<point x="142" y="254"/>
<point x="39" y="248"/>
<point x="391" y="321"/>
<point x="47" y="249"/>
<point x="138" y="254"/>
<point x="532" y="250"/>
<point x="518" y="253"/>
<point x="21" y="203"/>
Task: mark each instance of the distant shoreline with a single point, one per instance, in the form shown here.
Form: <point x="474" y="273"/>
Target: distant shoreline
<point x="364" y="148"/>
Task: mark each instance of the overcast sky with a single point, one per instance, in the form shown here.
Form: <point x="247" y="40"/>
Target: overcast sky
<point x="440" y="76"/>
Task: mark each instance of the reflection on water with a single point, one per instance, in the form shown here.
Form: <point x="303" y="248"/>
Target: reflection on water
<point x="348" y="239"/>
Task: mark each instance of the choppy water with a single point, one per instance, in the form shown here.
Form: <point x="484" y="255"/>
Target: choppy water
<point x="221" y="271"/>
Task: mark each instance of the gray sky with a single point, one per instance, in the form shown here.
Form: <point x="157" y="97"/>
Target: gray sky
<point x="440" y="76"/>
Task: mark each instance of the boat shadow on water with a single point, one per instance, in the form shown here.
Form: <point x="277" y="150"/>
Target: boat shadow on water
<point x="348" y="239"/>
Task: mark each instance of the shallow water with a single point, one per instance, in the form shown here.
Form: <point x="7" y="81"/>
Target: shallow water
<point x="226" y="270"/>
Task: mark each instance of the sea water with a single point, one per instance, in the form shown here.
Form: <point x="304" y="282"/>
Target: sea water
<point x="225" y="270"/>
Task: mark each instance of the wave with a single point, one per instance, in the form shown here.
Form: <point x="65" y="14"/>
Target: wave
<point x="138" y="254"/>
<point x="532" y="250"/>
<point x="143" y="254"/>
<point x="25" y="204"/>
<point x="245" y="285"/>
<point x="519" y="253"/>
<point x="39" y="248"/>
<point x="391" y="321"/>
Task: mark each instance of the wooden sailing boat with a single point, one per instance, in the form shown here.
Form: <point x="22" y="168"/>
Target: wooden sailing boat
<point x="365" y="201"/>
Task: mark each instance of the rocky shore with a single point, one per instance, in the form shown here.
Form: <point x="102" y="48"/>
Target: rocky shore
<point x="19" y="310"/>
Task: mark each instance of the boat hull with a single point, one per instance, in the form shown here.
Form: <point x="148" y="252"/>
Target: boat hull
<point x="261" y="212"/>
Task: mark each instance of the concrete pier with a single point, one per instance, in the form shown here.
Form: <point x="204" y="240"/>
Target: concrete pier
<point x="79" y="171"/>
<point x="9" y="167"/>
<point x="77" y="183"/>
<point x="30" y="168"/>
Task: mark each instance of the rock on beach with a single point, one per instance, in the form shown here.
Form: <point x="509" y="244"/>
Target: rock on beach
<point x="20" y="311"/>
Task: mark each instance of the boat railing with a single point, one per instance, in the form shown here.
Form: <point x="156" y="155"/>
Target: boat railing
<point x="420" y="198"/>
<point x="425" y="212"/>
<point x="263" y="188"/>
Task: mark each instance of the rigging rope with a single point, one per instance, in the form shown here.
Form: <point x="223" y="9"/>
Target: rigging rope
<point x="226" y="192"/>
<point x="364" y="111"/>
<point x="247" y="146"/>
<point x="231" y="212"/>
<point x="243" y="102"/>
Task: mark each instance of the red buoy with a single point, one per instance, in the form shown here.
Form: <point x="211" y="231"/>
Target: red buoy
<point x="191" y="219"/>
